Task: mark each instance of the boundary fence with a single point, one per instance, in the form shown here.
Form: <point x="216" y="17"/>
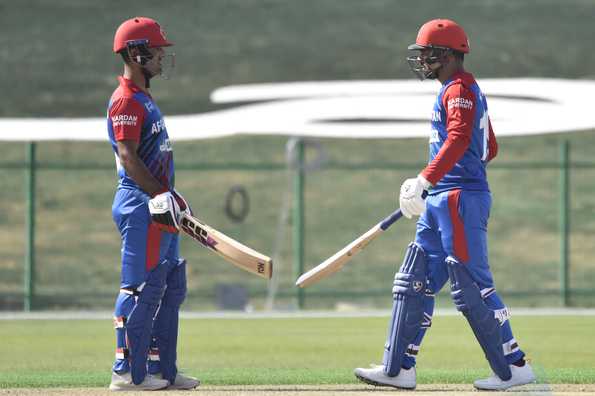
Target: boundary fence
<point x="31" y="165"/>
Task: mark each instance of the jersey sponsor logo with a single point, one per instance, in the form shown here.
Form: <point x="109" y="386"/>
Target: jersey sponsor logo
<point x="165" y="146"/>
<point x="124" y="120"/>
<point x="158" y="126"/>
<point x="436" y="116"/>
<point x="462" y="103"/>
<point x="149" y="107"/>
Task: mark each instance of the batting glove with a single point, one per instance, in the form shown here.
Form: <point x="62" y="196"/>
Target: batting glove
<point x="411" y="199"/>
<point x="165" y="212"/>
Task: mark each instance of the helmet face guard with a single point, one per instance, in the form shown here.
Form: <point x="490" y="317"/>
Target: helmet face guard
<point x="168" y="64"/>
<point x="420" y="64"/>
<point x="152" y="65"/>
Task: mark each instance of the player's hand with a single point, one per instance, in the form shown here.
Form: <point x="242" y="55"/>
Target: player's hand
<point x="182" y="203"/>
<point x="165" y="212"/>
<point x="411" y="198"/>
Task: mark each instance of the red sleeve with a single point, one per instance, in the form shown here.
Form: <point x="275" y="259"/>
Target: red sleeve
<point x="126" y="115"/>
<point x="459" y="103"/>
<point x="492" y="143"/>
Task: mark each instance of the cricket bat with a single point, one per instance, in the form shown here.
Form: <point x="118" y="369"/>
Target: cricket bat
<point x="338" y="260"/>
<point x="231" y="250"/>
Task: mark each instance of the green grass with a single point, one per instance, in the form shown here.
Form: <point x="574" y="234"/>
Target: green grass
<point x="67" y="69"/>
<point x="287" y="351"/>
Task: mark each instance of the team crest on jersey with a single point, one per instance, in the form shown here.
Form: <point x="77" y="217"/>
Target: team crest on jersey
<point x="157" y="126"/>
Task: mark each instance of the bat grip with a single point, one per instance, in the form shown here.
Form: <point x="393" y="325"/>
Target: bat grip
<point x="396" y="215"/>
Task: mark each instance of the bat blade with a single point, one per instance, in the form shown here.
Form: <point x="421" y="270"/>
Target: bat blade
<point x="336" y="261"/>
<point x="231" y="250"/>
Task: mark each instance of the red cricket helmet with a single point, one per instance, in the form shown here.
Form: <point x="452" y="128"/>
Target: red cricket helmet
<point x="140" y="30"/>
<point x="441" y="33"/>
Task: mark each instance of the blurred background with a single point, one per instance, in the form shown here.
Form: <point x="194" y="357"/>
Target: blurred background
<point x="59" y="248"/>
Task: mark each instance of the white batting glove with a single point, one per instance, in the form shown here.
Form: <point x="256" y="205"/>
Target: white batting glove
<point x="165" y="212"/>
<point x="411" y="201"/>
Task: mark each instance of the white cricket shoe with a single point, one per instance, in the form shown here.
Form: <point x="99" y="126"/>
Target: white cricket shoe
<point x="182" y="382"/>
<point x="123" y="382"/>
<point x="520" y="376"/>
<point x="376" y="376"/>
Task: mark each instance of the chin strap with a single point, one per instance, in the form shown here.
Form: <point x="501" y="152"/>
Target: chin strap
<point x="142" y="60"/>
<point x="147" y="78"/>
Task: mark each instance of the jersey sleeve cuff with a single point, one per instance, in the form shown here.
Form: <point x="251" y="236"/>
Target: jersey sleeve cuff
<point x="426" y="177"/>
<point x="424" y="182"/>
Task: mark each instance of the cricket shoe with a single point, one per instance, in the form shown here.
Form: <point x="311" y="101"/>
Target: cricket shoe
<point x="123" y="382"/>
<point x="182" y="382"/>
<point x="376" y="376"/>
<point x="520" y="376"/>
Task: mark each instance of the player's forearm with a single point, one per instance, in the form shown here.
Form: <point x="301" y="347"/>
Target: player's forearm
<point x="137" y="170"/>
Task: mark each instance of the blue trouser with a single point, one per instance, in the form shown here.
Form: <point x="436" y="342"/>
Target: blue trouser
<point x="455" y="224"/>
<point x="152" y="274"/>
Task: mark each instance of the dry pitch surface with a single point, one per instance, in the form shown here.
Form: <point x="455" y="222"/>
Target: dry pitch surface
<point x="320" y="390"/>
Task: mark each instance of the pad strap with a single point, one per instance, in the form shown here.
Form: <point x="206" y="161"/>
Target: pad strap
<point x="122" y="353"/>
<point x="130" y="291"/>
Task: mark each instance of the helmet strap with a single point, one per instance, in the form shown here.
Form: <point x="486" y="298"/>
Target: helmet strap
<point x="142" y="58"/>
<point x="148" y="76"/>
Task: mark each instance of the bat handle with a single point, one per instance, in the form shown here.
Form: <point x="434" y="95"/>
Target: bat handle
<point x="396" y="215"/>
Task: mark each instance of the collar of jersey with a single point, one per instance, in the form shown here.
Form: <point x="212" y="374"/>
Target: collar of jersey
<point x="129" y="84"/>
<point x="464" y="76"/>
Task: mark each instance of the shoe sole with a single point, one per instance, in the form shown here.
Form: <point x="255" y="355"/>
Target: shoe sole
<point x="114" y="389"/>
<point x="173" y="387"/>
<point x="372" y="382"/>
<point x="503" y="389"/>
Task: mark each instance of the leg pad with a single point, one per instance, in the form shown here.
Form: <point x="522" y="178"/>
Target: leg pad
<point x="467" y="298"/>
<point x="140" y="322"/>
<point x="165" y="328"/>
<point x="408" y="308"/>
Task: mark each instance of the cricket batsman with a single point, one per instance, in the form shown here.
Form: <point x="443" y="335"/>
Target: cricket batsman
<point x="146" y="210"/>
<point x="451" y="236"/>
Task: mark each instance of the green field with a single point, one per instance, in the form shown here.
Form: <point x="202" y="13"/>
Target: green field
<point x="78" y="260"/>
<point x="67" y="69"/>
<point x="74" y="353"/>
